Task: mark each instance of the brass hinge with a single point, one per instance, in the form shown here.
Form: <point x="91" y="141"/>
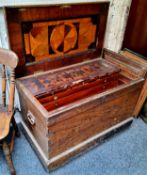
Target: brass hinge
<point x="65" y="6"/>
<point x="38" y="72"/>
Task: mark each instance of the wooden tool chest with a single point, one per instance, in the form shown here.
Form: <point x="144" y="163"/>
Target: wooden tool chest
<point x="71" y="92"/>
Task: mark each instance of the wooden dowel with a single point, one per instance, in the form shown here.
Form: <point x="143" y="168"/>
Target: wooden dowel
<point x="12" y="90"/>
<point x="3" y="86"/>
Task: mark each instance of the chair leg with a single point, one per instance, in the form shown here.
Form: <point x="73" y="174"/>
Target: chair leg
<point x="8" y="158"/>
<point x="17" y="133"/>
<point x="12" y="142"/>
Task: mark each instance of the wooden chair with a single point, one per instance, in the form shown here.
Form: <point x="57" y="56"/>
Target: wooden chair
<point x="8" y="126"/>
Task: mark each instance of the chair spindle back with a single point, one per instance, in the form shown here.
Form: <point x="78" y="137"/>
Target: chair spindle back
<point x="8" y="58"/>
<point x="11" y="91"/>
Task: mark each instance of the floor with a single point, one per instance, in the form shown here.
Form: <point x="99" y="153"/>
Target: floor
<point x="123" y="154"/>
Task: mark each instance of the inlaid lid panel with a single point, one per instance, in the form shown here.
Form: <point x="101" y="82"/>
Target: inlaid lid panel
<point x="51" y="39"/>
<point x="55" y="36"/>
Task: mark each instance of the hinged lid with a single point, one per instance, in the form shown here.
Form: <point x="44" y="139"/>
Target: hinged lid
<point x="49" y="37"/>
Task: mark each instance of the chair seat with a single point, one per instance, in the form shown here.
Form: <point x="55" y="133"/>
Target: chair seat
<point x="5" y="119"/>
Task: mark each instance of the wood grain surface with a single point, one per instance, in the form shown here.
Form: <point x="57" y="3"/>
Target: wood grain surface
<point x="89" y="121"/>
<point x="5" y="119"/>
<point x="143" y="94"/>
<point x="8" y="58"/>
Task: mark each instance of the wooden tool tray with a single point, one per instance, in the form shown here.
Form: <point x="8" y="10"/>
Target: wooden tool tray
<point x="59" y="88"/>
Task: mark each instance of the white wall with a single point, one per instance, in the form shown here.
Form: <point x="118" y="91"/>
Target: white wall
<point x="117" y="20"/>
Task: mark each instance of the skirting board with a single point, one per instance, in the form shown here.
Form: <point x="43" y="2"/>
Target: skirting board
<point x="75" y="151"/>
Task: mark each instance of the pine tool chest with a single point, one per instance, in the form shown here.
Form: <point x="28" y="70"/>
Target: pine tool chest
<point x="73" y="92"/>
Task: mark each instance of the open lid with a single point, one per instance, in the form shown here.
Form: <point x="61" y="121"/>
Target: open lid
<point x="49" y="37"/>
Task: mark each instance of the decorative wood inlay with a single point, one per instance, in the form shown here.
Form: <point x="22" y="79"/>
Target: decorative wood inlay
<point x="63" y="35"/>
<point x="56" y="38"/>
